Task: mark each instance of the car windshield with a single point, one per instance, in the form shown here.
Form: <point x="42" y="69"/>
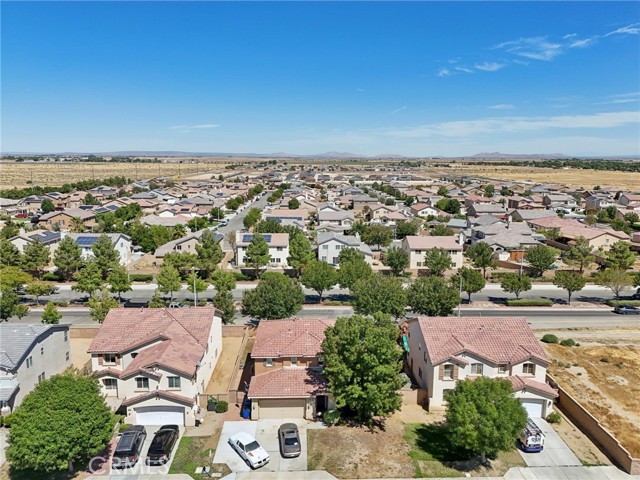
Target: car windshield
<point x="290" y="441"/>
<point x="159" y="441"/>
<point x="252" y="446"/>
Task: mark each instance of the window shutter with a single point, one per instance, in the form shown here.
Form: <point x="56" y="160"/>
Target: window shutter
<point x="100" y="359"/>
<point x="118" y="359"/>
<point x="440" y="372"/>
<point x="455" y="372"/>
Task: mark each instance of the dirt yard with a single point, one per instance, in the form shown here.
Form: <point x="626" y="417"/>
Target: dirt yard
<point x="219" y="383"/>
<point x="603" y="374"/>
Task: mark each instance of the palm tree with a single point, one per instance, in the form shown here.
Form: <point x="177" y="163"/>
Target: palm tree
<point x="77" y="225"/>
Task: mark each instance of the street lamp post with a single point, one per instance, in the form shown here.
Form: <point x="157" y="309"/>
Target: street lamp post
<point x="460" y="291"/>
<point x="195" y="292"/>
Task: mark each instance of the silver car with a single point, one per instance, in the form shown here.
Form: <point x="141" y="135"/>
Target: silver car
<point x="289" y="440"/>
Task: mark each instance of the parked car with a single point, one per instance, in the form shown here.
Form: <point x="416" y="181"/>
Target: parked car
<point x="249" y="449"/>
<point x="289" y="440"/>
<point x="129" y="447"/>
<point x="135" y="304"/>
<point x="176" y="305"/>
<point x="162" y="444"/>
<point x="627" y="310"/>
<point x="21" y="215"/>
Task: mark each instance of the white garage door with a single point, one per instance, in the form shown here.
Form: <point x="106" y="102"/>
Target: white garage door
<point x="533" y="408"/>
<point x="159" y="415"/>
<point x="289" y="408"/>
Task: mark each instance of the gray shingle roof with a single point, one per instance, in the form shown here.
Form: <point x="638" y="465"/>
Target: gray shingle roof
<point x="17" y="341"/>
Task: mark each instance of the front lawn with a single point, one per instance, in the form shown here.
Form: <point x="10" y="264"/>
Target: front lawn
<point x="193" y="452"/>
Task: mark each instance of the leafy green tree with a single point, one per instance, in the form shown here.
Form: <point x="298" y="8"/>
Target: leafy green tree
<point x="168" y="280"/>
<point x="396" y="259"/>
<point x="580" y="255"/>
<point x="63" y="422"/>
<point x="432" y="296"/>
<point x="183" y="262"/>
<point x="51" y="315"/>
<point x="38" y="288"/>
<point x="349" y="254"/>
<point x="216" y="214"/>
<point x="156" y="301"/>
<point x="620" y="256"/>
<point x="631" y="218"/>
<point x="293" y="204"/>
<point x="362" y="365"/>
<point x="541" y="258"/>
<point x="569" y="281"/>
<point x="377" y="235"/>
<point x="88" y="279"/>
<point x="251" y="218"/>
<point x="12" y="278"/>
<point x="515" y="283"/>
<point x="615" y="279"/>
<point x="483" y="416"/>
<point x="119" y="281"/>
<point x="36" y="257"/>
<point x="404" y="229"/>
<point x="10" y="305"/>
<point x="47" y="206"/>
<point x="481" y="255"/>
<point x="196" y="285"/>
<point x="379" y="293"/>
<point x="208" y="253"/>
<point x="89" y="199"/>
<point x="472" y="281"/>
<point x="552" y="233"/>
<point x="590" y="219"/>
<point x="223" y="301"/>
<point x="319" y="276"/>
<point x="198" y="223"/>
<point x="442" y="191"/>
<point x="449" y="205"/>
<point x="77" y="225"/>
<point x="489" y="191"/>
<point x="441" y="230"/>
<point x="106" y="257"/>
<point x="100" y="304"/>
<point x="276" y="296"/>
<point x="9" y="230"/>
<point x="268" y="226"/>
<point x="68" y="258"/>
<point x="223" y="280"/>
<point x="437" y="260"/>
<point x="258" y="255"/>
<point x="300" y="252"/>
<point x="353" y="270"/>
<point x="9" y="254"/>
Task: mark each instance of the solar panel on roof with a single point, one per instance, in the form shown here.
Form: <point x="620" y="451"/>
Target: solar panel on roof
<point x="267" y="238"/>
<point x="247" y="238"/>
<point x="86" y="241"/>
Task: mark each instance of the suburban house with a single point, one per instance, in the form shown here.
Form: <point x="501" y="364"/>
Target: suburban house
<point x="627" y="198"/>
<point x="424" y="210"/>
<point x="153" y="363"/>
<point x="478" y="209"/>
<point x="68" y="219"/>
<point x="331" y="244"/>
<point x="85" y="241"/>
<point x="287" y="358"/>
<point x="571" y="230"/>
<point x="30" y="354"/>
<point x="338" y="217"/>
<point x="443" y="350"/>
<point x="416" y="246"/>
<point x="278" y="248"/>
<point x="559" y="200"/>
<point x="186" y="244"/>
<point x="46" y="237"/>
<point x="501" y="236"/>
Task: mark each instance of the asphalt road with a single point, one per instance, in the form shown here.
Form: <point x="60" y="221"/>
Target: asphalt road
<point x="236" y="223"/>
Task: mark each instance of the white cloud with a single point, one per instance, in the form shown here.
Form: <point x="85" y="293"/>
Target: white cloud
<point x="444" y="72"/>
<point x="502" y="106"/>
<point x="464" y="69"/>
<point x="569" y="35"/>
<point x="585" y="42"/>
<point x="397" y="110"/>
<point x="489" y="66"/>
<point x="537" y="48"/>
<point x="632" y="29"/>
<point x="188" y="128"/>
<point x="621" y="98"/>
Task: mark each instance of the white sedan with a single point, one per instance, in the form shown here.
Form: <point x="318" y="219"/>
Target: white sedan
<point x="249" y="449"/>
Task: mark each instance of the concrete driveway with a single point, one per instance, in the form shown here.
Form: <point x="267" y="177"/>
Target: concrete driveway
<point x="556" y="453"/>
<point x="266" y="433"/>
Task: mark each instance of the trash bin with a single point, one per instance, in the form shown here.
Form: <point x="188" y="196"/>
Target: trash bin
<point x="245" y="412"/>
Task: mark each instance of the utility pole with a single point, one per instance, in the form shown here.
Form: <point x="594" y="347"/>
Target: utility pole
<point x="460" y="290"/>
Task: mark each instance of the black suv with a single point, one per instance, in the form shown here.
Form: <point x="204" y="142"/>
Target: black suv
<point x="129" y="447"/>
<point x="162" y="444"/>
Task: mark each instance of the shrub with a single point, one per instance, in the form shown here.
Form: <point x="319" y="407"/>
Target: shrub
<point x="241" y="277"/>
<point x="52" y="277"/>
<point x="60" y="303"/>
<point x="550" y="338"/>
<point x="7" y="421"/>
<point x="222" y="406"/>
<point x="554" y="417"/>
<point x="568" y="342"/>
<point x="616" y="303"/>
<point x="604" y="360"/>
<point x="141" y="277"/>
<point x="529" y="302"/>
<point x="331" y="417"/>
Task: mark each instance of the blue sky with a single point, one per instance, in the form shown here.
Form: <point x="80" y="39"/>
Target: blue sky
<point x="415" y="78"/>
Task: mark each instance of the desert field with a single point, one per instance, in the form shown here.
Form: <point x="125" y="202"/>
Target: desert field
<point x="573" y="177"/>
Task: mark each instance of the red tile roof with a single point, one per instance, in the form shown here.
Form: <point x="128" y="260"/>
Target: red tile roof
<point x="290" y="337"/>
<point x="497" y="339"/>
<point x="524" y="383"/>
<point x="287" y="382"/>
<point x="158" y="394"/>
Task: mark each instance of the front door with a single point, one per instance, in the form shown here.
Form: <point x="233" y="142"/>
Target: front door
<point x="322" y="403"/>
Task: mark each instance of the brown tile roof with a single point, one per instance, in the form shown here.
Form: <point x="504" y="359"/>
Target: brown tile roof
<point x="287" y="382"/>
<point x="290" y="337"/>
<point x="524" y="383"/>
<point x="421" y="242"/>
<point x="158" y="394"/>
<point x="496" y="339"/>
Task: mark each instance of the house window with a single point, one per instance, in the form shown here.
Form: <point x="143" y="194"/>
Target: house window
<point x="321" y="361"/>
<point x="279" y="249"/>
<point x="528" y="369"/>
<point x="66" y="356"/>
<point x="294" y="361"/>
<point x="41" y="378"/>
<point x="110" y="383"/>
<point x="268" y="362"/>
<point x="476" y="369"/>
<point x="142" y="383"/>
<point x="419" y="264"/>
<point x="174" y="382"/>
<point x="29" y="362"/>
<point x="109" y="358"/>
<point x="41" y="350"/>
<point x="325" y="247"/>
<point x="420" y="372"/>
<point x="178" y="247"/>
<point x="66" y="336"/>
<point x="502" y="368"/>
<point x="448" y="372"/>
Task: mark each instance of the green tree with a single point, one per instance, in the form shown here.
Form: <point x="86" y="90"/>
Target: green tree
<point x="10" y="305"/>
<point x="119" y="281"/>
<point x="631" y="218"/>
<point x="38" y="288"/>
<point x="489" y="191"/>
<point x="47" y="206"/>
<point x="437" y="260"/>
<point x="223" y="280"/>
<point x="540" y="258"/>
<point x="183" y="262"/>
<point x="168" y="280"/>
<point x="349" y="255"/>
<point x="377" y="235"/>
<point x="223" y="301"/>
<point x="515" y="283"/>
<point x="88" y="279"/>
<point x="590" y="219"/>
<point x="276" y="296"/>
<point x="196" y="285"/>
<point x="353" y="270"/>
<point x="251" y="218"/>
<point x="268" y="226"/>
<point x="51" y="315"/>
<point x="63" y="422"/>
<point x="569" y="281"/>
<point x="615" y="279"/>
<point x="9" y="254"/>
<point x="208" y="253"/>
<point x="580" y="255"/>
<point x="472" y="281"/>
<point x="68" y="258"/>
<point x="449" y="205"/>
<point x="89" y="199"/>
<point x="620" y="256"/>
<point x="258" y="255"/>
<point x="396" y="259"/>
<point x="319" y="276"/>
<point x="198" y="223"/>
<point x="552" y="233"/>
<point x="216" y="214"/>
<point x="106" y="257"/>
<point x="9" y="230"/>
<point x="156" y="301"/>
<point x="100" y="304"/>
<point x="362" y="365"/>
<point x="300" y="252"/>
<point x="441" y="230"/>
<point x="483" y="416"/>
<point x="12" y="278"/>
<point x="442" y="191"/>
<point x="36" y="257"/>
<point x="404" y="229"/>
<point x="293" y="204"/>
<point x="379" y="293"/>
<point x="77" y="225"/>
<point x="432" y="296"/>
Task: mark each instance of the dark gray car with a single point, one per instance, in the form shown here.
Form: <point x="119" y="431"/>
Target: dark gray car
<point x="627" y="310"/>
<point x="289" y="440"/>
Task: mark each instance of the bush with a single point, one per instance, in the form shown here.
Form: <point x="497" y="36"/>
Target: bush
<point x="241" y="277"/>
<point x="222" y="406"/>
<point x="141" y="277"/>
<point x="60" y="303"/>
<point x="529" y="302"/>
<point x="616" y="303"/>
<point x="554" y="417"/>
<point x="331" y="417"/>
<point x="52" y="277"/>
<point x="123" y="426"/>
<point x="604" y="360"/>
<point x="550" y="338"/>
<point x="1" y="421"/>
<point x="7" y="421"/>
<point x="568" y="342"/>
